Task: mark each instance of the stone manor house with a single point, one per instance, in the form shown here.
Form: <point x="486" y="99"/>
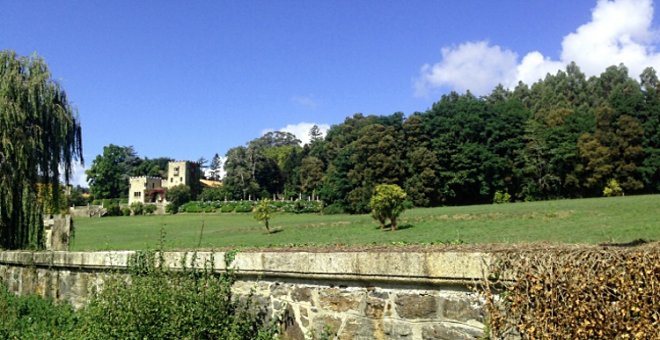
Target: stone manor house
<point x="146" y="189"/>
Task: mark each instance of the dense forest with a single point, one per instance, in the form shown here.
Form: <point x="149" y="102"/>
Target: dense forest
<point x="565" y="136"/>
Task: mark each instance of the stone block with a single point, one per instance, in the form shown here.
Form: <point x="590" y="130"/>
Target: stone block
<point x="379" y="294"/>
<point x="392" y="263"/>
<point x="302" y="294"/>
<point x="461" y="309"/>
<point x="416" y="306"/>
<point x="449" y="331"/>
<point x="337" y="301"/>
<point x="304" y="317"/>
<point x="358" y="328"/>
<point x="456" y="265"/>
<point x="375" y="308"/>
<point x="325" y="325"/>
<point x="397" y="330"/>
<point x="279" y="290"/>
<point x="28" y="280"/>
<point x="331" y="263"/>
<point x="290" y="328"/>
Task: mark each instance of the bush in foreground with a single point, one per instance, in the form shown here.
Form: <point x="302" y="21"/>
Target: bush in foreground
<point x="159" y="304"/>
<point x="150" y="303"/>
<point x="33" y="317"/>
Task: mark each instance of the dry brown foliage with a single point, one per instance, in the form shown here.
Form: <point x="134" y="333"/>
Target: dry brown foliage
<point x="606" y="292"/>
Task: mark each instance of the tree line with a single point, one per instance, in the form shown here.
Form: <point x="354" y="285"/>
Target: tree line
<point x="565" y="136"/>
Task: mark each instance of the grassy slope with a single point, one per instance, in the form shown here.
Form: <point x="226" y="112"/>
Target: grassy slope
<point x="620" y="219"/>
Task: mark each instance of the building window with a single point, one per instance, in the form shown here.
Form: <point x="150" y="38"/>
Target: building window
<point x="181" y="179"/>
<point x="137" y="194"/>
<point x="171" y="179"/>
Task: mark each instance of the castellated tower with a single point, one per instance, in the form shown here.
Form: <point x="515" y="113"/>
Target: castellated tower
<point x="184" y="172"/>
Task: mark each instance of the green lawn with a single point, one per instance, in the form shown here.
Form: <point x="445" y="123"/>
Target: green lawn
<point x="620" y="219"/>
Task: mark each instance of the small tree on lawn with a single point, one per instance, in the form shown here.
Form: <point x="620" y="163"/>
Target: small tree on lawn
<point x="177" y="196"/>
<point x="263" y="212"/>
<point x="387" y="203"/>
<point x="612" y="189"/>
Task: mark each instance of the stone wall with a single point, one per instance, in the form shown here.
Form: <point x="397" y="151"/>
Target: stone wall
<point x="351" y="295"/>
<point x="87" y="211"/>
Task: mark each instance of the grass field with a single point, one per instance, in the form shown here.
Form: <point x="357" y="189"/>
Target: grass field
<point x="619" y="219"/>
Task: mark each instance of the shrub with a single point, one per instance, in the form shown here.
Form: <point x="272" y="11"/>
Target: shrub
<point x="113" y="210"/>
<point x="170" y="208"/>
<point x="243" y="207"/>
<point x="333" y="209"/>
<point x="137" y="208"/>
<point x="158" y="304"/>
<point x="387" y="203"/>
<point x="191" y="207"/>
<point x="501" y="197"/>
<point x="612" y="189"/>
<point x="150" y="209"/>
<point x="126" y="211"/>
<point x="154" y="303"/>
<point x="33" y="317"/>
<point x="295" y="207"/>
<point x="263" y="211"/>
<point x="300" y="206"/>
<point x="177" y="196"/>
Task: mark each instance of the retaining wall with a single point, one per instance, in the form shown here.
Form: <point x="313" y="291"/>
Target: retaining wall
<point x="355" y="295"/>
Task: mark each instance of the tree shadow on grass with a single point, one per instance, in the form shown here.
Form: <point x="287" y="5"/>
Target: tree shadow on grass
<point x="388" y="227"/>
<point x="275" y="231"/>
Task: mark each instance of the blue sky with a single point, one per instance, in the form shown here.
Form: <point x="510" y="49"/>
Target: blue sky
<point x="187" y="79"/>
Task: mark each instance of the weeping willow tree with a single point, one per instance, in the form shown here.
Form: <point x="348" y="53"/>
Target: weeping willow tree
<point x="40" y="138"/>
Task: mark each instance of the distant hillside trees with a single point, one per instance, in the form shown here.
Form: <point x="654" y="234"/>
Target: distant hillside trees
<point x="258" y="169"/>
<point x="40" y="138"/>
<point x="565" y="136"/>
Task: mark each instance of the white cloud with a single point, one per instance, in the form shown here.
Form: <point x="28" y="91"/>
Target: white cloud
<point x="534" y="66"/>
<point x="620" y="31"/>
<point x="301" y="130"/>
<point x="474" y="66"/>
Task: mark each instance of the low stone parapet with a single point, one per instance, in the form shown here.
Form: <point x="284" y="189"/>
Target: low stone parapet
<point x="350" y="294"/>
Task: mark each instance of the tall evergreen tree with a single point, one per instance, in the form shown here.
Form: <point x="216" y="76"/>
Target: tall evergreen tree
<point x="216" y="167"/>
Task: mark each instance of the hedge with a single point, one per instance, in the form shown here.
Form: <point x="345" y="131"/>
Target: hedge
<point x="295" y="207"/>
